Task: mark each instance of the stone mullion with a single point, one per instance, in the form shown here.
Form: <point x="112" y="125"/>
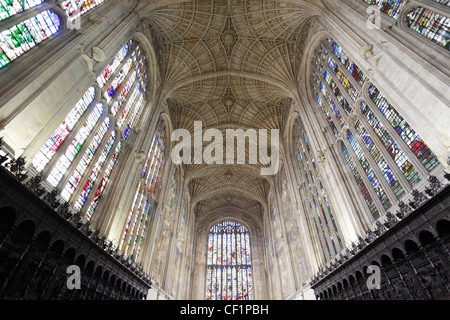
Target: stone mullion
<point x="127" y="96"/>
<point x="321" y="120"/>
<point x="376" y="200"/>
<point x="136" y="213"/>
<point x="68" y="140"/>
<point x="131" y="108"/>
<point x="315" y="225"/>
<point x="336" y="171"/>
<point x="147" y="139"/>
<point x="318" y="226"/>
<point x="321" y="205"/>
<point x="387" y="157"/>
<point x="147" y="194"/>
<point x="276" y="252"/>
<point x="326" y="227"/>
<point x="381" y="178"/>
<point x="306" y="196"/>
<point x="331" y="112"/>
<point x="153" y="225"/>
<point x="89" y="168"/>
<point x="118" y="69"/>
<point x="104" y="213"/>
<point x="183" y="269"/>
<point x="101" y="173"/>
<point x="319" y="221"/>
<point x="343" y="68"/>
<point x="339" y="85"/>
<point x="329" y="219"/>
<point x="364" y="215"/>
<point x="343" y="113"/>
<point x="185" y="278"/>
<point x="402" y="144"/>
<point x="66" y="176"/>
<point x="328" y="107"/>
<point x="146" y="219"/>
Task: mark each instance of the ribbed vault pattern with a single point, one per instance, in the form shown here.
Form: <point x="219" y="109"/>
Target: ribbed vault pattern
<point x="229" y="64"/>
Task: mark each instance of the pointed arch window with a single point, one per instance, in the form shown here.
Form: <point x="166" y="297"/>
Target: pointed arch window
<point x="229" y="263"/>
<point x="82" y="152"/>
<point x="146" y="197"/>
<point x="384" y="154"/>
<point x="432" y="25"/>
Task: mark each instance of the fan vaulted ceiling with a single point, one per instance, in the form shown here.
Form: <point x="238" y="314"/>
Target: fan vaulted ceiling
<point x="229" y="64"/>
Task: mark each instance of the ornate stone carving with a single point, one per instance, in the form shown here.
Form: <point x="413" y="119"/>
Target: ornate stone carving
<point x="52" y="199"/>
<point x="418" y="198"/>
<point x="35" y="185"/>
<point x="17" y="168"/>
<point x="403" y="210"/>
<point x="63" y="210"/>
<point x="380" y="228"/>
<point x="89" y="62"/>
<point x="434" y="187"/>
<point x="98" y="54"/>
<point x="370" y="237"/>
<point x="391" y="220"/>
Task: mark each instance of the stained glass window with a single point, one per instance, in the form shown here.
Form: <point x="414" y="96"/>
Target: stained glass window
<point x="444" y="2"/>
<point x="57" y="138"/>
<point x="85" y="160"/>
<point x="390" y="7"/>
<point x="72" y="150"/>
<point x="394" y="150"/>
<point x="128" y="106"/>
<point x="147" y="194"/>
<point x="431" y="25"/>
<point x="359" y="181"/>
<point x="229" y="266"/>
<point x="407" y="134"/>
<point x="356" y="72"/>
<point x="76" y="8"/>
<point x="9" y="8"/>
<point x="381" y="139"/>
<point x="104" y="181"/>
<point x="95" y="171"/>
<point x="85" y="143"/>
<point x="111" y="68"/>
<point x="117" y="81"/>
<point x="123" y="93"/>
<point x="327" y="114"/>
<point x="388" y="173"/>
<point x="369" y="171"/>
<point x="23" y="36"/>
